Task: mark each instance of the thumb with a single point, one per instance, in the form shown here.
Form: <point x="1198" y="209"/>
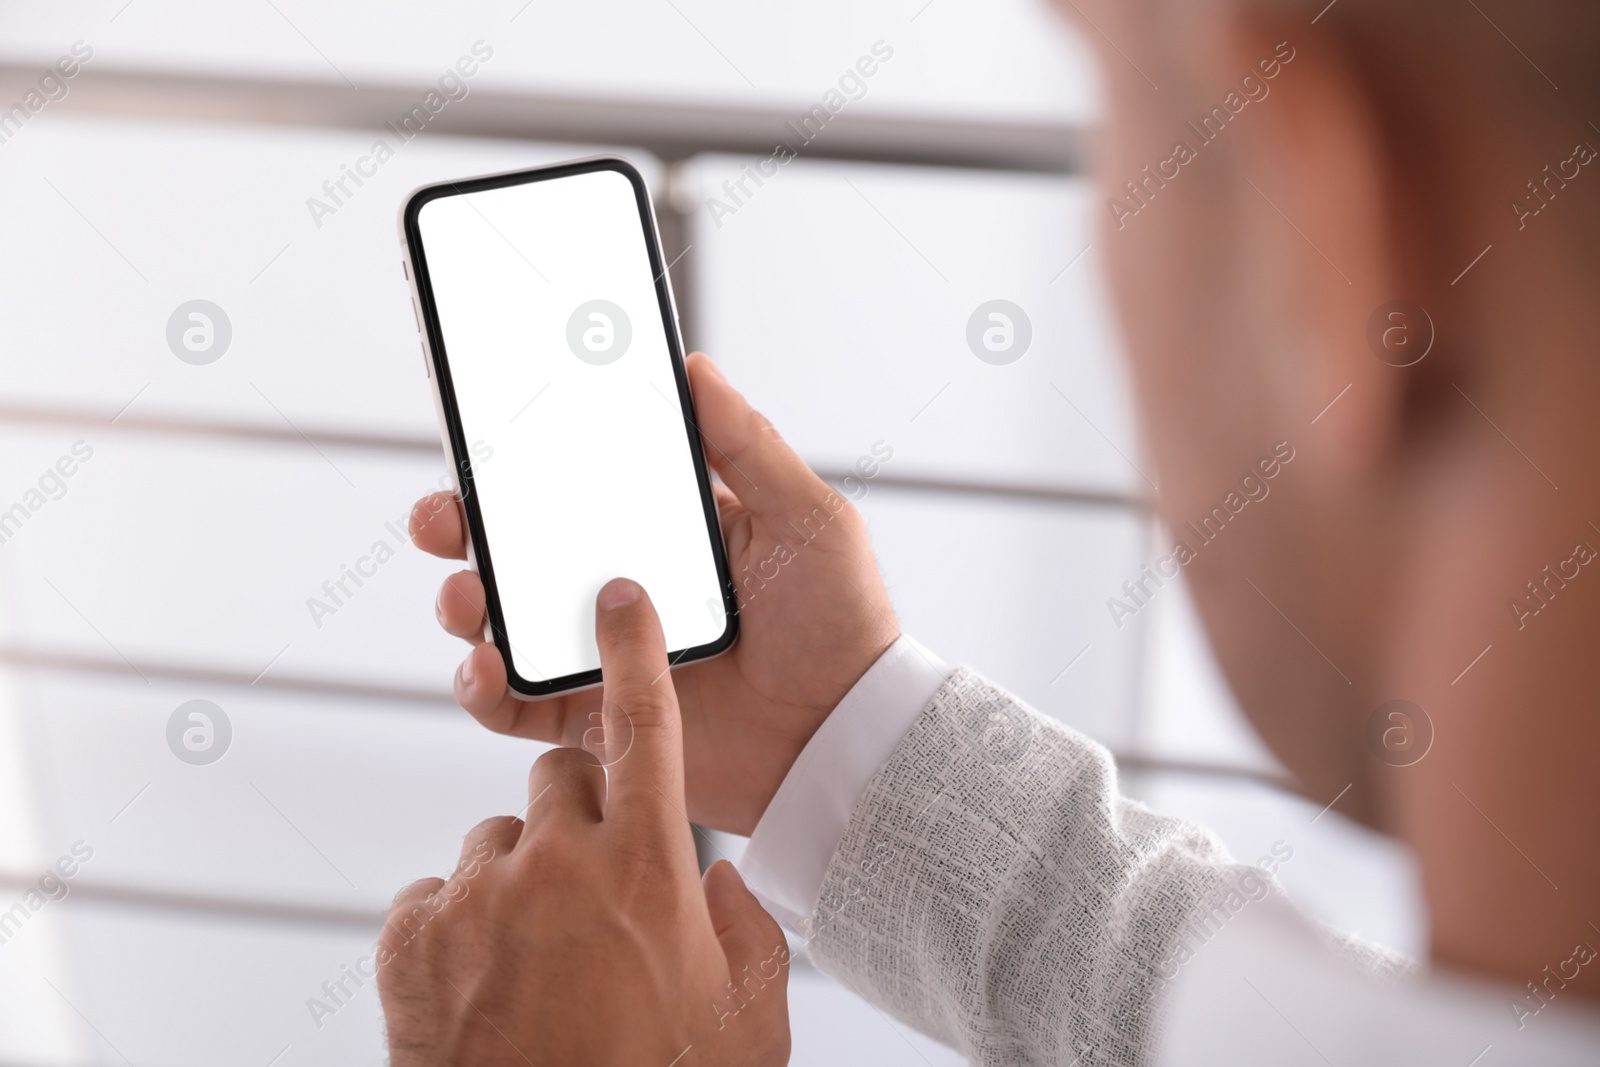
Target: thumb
<point x="747" y="450"/>
<point x="757" y="951"/>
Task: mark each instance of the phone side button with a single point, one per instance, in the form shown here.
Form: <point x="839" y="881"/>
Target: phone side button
<point x="404" y="271"/>
<point x="426" y="368"/>
<point x="416" y="315"/>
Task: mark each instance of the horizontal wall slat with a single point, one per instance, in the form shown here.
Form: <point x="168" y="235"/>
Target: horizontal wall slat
<point x="669" y="130"/>
<point x="35" y="415"/>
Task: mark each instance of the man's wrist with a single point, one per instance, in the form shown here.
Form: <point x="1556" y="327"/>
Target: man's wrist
<point x="806" y="818"/>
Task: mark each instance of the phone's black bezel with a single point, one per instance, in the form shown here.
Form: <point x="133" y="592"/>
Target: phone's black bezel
<point x="445" y="387"/>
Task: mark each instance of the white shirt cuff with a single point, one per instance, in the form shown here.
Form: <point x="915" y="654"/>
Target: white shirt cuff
<point x="789" y="852"/>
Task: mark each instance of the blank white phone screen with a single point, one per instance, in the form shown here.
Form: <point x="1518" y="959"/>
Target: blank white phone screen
<point x="564" y="386"/>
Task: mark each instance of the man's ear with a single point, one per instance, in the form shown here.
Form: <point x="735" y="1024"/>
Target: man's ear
<point x="1326" y="234"/>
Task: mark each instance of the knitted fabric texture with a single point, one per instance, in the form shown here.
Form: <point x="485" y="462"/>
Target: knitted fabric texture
<point x="994" y="890"/>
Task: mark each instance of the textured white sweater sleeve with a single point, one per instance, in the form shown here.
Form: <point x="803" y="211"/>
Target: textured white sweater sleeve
<point x="798" y="834"/>
<point x="994" y="890"/>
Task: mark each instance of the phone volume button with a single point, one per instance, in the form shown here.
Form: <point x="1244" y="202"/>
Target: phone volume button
<point x="416" y="315"/>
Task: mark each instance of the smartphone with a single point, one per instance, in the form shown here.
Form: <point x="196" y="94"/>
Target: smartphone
<point x="550" y="334"/>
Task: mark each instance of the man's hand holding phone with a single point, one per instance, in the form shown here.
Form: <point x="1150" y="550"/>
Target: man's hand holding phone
<point x="581" y="933"/>
<point x="807" y="634"/>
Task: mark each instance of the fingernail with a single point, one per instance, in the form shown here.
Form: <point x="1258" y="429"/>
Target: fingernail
<point x="438" y="607"/>
<point x="464" y="672"/>
<point x="617" y="592"/>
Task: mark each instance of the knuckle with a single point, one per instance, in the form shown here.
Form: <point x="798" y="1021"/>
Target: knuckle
<point x="414" y="891"/>
<point x="508" y="824"/>
<point x="408" y="914"/>
<point x="557" y="766"/>
<point x="492" y="825"/>
<point x="412" y="930"/>
<point x="478" y="846"/>
<point x="760" y="426"/>
<point x="641" y="702"/>
<point x="550" y="863"/>
<point x="558" y="763"/>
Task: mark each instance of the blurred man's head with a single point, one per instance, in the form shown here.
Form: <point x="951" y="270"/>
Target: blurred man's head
<point x="1279" y="174"/>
